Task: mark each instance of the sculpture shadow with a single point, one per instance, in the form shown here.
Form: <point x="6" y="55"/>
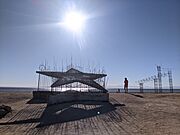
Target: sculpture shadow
<point x="26" y="121"/>
<point x="66" y="112"/>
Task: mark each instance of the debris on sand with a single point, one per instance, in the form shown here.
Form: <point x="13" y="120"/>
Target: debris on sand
<point x="4" y="110"/>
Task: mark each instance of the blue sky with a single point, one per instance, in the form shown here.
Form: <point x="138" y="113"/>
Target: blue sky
<point x="128" y="38"/>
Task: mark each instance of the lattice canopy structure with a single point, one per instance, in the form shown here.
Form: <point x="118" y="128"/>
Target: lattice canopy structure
<point x="73" y="75"/>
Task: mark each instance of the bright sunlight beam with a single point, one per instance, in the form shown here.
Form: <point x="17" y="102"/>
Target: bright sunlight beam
<point x="74" y="21"/>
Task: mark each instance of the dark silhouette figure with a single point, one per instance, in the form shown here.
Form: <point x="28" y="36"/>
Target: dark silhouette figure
<point x="126" y="85"/>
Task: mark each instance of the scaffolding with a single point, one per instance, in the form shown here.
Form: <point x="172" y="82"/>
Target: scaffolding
<point x="157" y="79"/>
<point x="44" y="82"/>
<point x="170" y="81"/>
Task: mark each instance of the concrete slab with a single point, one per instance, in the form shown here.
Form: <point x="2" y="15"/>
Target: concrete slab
<point x="79" y="96"/>
<point x="54" y="97"/>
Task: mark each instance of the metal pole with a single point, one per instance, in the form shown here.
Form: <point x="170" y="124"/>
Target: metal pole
<point x="104" y="83"/>
<point x="38" y="82"/>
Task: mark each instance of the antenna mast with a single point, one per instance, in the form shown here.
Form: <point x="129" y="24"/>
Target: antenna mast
<point x="170" y="81"/>
<point x="159" y="78"/>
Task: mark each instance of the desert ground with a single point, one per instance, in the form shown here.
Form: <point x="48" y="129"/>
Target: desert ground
<point x="124" y="114"/>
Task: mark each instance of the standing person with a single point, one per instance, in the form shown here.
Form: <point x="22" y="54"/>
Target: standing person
<point x="126" y="85"/>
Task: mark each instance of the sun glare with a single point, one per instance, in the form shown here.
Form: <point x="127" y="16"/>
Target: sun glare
<point x="74" y="21"/>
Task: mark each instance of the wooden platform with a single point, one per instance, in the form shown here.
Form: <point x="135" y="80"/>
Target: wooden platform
<point x="145" y="114"/>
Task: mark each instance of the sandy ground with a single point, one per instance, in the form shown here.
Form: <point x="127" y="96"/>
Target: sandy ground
<point x="149" y="114"/>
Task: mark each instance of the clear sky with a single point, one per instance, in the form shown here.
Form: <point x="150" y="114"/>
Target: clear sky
<point x="129" y="38"/>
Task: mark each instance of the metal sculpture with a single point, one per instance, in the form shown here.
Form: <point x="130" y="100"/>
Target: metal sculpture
<point x="74" y="75"/>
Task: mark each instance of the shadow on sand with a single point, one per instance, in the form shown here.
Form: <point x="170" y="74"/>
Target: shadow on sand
<point x="66" y="112"/>
<point x="140" y="96"/>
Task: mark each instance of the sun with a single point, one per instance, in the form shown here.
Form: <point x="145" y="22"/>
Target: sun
<point x="74" y="21"/>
